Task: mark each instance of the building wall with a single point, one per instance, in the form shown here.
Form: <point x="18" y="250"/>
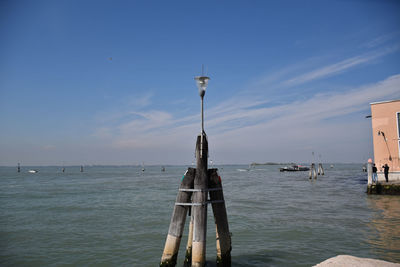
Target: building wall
<point x="385" y="134"/>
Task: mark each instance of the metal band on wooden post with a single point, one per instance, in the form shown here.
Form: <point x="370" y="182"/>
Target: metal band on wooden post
<point x="177" y="224"/>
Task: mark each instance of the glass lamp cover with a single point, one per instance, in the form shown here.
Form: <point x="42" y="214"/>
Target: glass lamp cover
<point x="202" y="82"/>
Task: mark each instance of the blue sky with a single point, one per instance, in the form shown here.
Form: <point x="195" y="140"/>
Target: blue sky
<point x="111" y="82"/>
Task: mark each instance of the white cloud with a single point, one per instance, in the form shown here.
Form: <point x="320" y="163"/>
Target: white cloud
<point x="141" y="101"/>
<point x="251" y="126"/>
<point x="320" y="123"/>
<point x="339" y="67"/>
<point x="124" y="112"/>
<point x="253" y="130"/>
<point x="381" y="39"/>
<point x="322" y="106"/>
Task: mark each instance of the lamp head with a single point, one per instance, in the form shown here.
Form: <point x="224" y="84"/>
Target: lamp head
<point x="202" y="82"/>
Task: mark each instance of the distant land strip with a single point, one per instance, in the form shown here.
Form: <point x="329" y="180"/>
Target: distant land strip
<point x="271" y="163"/>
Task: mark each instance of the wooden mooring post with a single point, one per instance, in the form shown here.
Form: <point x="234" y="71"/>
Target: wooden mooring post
<point x="202" y="182"/>
<point x="320" y="169"/>
<point x="199" y="207"/>
<point x="178" y="219"/>
<point x="313" y="172"/>
<point x="224" y="244"/>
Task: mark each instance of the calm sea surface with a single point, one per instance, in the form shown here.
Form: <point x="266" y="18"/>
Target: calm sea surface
<point x="119" y="216"/>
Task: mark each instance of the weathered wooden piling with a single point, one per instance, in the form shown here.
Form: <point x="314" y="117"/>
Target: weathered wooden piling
<point x="320" y="169"/>
<point x="188" y="255"/>
<point x="221" y="220"/>
<point x="178" y="219"/>
<point x="201" y="182"/>
<point x="199" y="209"/>
<point x="313" y="172"/>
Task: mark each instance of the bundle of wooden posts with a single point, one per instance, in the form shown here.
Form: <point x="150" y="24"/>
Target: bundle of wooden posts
<point x="196" y="185"/>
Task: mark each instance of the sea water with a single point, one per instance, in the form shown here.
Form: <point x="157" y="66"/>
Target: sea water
<point x="119" y="216"/>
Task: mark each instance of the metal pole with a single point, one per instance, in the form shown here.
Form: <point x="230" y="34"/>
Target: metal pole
<point x="202" y="115"/>
<point x="202" y="125"/>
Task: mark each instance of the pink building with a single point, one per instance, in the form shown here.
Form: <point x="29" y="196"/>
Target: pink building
<point x="386" y="138"/>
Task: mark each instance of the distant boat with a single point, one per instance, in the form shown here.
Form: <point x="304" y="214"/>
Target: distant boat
<point x="143" y="169"/>
<point x="331" y="166"/>
<point x="294" y="168"/>
<point x="163" y="169"/>
<point x="33" y="171"/>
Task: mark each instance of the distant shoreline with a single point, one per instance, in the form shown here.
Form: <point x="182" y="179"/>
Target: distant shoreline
<point x="271" y="163"/>
<point x="170" y="165"/>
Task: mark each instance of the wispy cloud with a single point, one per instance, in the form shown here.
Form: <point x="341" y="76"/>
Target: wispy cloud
<point x="255" y="123"/>
<point x="380" y="40"/>
<point x="314" y="110"/>
<point x="328" y="123"/>
<point x="128" y="109"/>
<point x="339" y="67"/>
<point x="248" y="120"/>
<point x="140" y="101"/>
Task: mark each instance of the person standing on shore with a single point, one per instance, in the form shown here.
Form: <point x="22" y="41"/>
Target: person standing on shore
<point x="386" y="172"/>
<point x="374" y="175"/>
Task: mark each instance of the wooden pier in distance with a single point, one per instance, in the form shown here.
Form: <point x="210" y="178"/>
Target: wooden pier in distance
<point x="384" y="188"/>
<point x="381" y="187"/>
<point x="199" y="187"/>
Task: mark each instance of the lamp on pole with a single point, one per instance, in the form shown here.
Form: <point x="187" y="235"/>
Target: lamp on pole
<point x="202" y="82"/>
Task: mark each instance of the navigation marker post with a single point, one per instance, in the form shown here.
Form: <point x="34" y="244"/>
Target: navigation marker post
<point x="199" y="187"/>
